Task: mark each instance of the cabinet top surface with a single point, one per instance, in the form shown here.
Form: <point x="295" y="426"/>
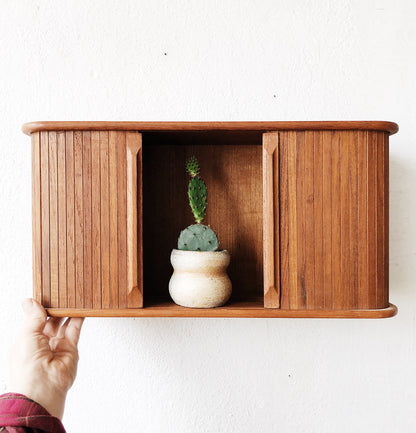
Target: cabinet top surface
<point x="390" y="127"/>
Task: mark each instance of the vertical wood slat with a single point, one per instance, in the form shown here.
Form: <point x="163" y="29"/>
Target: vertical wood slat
<point x="70" y="218"/>
<point x="44" y="163"/>
<point x="380" y="222"/>
<point x="336" y="220"/>
<point x="318" y="220"/>
<point x="309" y="222"/>
<point x="96" y="219"/>
<point x="300" y="219"/>
<point x="87" y="185"/>
<point x="338" y="216"/>
<point x="292" y="195"/>
<point x="62" y="215"/>
<point x="386" y="221"/>
<point x="105" y="218"/>
<point x="353" y="211"/>
<point x="113" y="182"/>
<point x="345" y="222"/>
<point x="53" y="218"/>
<point x="79" y="221"/>
<point x="362" y="220"/>
<point x="284" y="220"/>
<point x="36" y="218"/>
<point x="371" y="218"/>
<point x="327" y="218"/>
<point x="271" y="220"/>
<point x="134" y="220"/>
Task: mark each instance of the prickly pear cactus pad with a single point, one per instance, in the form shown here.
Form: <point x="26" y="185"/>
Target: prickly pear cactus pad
<point x="197" y="190"/>
<point x="198" y="237"/>
<point x="192" y="166"/>
<point x="197" y="193"/>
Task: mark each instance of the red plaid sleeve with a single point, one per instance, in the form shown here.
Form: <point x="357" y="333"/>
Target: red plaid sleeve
<point x="19" y="414"/>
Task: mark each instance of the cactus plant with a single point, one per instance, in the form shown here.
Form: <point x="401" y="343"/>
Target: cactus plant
<point x="197" y="237"/>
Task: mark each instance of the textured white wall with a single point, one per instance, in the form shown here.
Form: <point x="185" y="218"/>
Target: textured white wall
<point x="219" y="60"/>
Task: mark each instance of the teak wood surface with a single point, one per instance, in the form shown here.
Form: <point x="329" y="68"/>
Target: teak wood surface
<point x="390" y="127"/>
<point x="233" y="309"/>
<point x="310" y="199"/>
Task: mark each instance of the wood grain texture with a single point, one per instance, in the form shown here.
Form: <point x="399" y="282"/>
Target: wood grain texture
<point x="318" y="220"/>
<point x="105" y="218"/>
<point x="386" y="219"/>
<point x="134" y="221"/>
<point x="362" y="219"/>
<point x="388" y="127"/>
<point x="36" y="219"/>
<point x="44" y="185"/>
<point x="271" y="256"/>
<point x="309" y="241"/>
<point x="328" y="288"/>
<point x="113" y="212"/>
<point x="284" y="220"/>
<point x="336" y="219"/>
<point x="314" y="212"/>
<point x="353" y="213"/>
<point x="80" y="219"/>
<point x="292" y="209"/>
<point x="53" y="218"/>
<point x="382" y="240"/>
<point x="371" y="259"/>
<point x="70" y="219"/>
<point x="241" y="309"/>
<point x="87" y="214"/>
<point x="122" y="219"/>
<point x="347" y="224"/>
<point x="299" y="190"/>
<point x="62" y="218"/>
<point x="96" y="219"/>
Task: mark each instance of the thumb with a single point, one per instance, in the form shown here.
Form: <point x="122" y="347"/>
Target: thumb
<point x="35" y="315"/>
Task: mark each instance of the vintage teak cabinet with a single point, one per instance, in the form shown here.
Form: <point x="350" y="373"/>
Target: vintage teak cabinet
<point x="303" y="208"/>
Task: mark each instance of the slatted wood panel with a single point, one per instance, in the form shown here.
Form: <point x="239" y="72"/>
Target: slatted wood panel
<point x="80" y="226"/>
<point x="333" y="198"/>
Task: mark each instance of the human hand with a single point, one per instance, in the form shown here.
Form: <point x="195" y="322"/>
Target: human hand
<point x="43" y="361"/>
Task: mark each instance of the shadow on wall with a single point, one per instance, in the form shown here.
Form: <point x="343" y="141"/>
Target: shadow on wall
<point x="402" y="227"/>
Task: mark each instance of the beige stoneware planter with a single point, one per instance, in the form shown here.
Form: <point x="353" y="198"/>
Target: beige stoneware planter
<point x="199" y="278"/>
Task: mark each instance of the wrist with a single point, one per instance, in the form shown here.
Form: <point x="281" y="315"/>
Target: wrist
<point x="51" y="400"/>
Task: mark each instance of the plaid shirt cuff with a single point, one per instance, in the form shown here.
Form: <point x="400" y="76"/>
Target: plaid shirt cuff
<point x="19" y="414"/>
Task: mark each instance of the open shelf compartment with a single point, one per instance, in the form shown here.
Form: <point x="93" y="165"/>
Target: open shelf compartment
<point x="231" y="166"/>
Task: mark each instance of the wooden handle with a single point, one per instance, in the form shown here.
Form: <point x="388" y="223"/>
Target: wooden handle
<point x="134" y="219"/>
<point x="271" y="219"/>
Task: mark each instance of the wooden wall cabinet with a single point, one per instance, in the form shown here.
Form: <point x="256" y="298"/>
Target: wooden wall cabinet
<point x="301" y="206"/>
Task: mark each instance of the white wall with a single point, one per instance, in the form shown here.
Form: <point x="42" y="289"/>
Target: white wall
<point x="219" y="60"/>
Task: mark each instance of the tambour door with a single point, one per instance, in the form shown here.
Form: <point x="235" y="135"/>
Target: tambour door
<point x="87" y="242"/>
<point x="326" y="219"/>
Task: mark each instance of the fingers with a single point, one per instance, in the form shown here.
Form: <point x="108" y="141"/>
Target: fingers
<point x="71" y="330"/>
<point x="52" y="326"/>
<point x="35" y="315"/>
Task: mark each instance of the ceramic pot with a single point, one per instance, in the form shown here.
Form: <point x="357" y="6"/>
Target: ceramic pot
<point x="199" y="278"/>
